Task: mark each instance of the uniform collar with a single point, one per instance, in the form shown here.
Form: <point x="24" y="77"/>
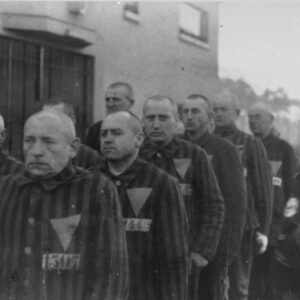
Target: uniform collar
<point x="128" y="175"/>
<point x="201" y="140"/>
<point x="225" y="131"/>
<point x="150" y="150"/>
<point x="48" y="184"/>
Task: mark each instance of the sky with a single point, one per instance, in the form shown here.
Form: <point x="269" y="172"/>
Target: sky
<point x="260" y="42"/>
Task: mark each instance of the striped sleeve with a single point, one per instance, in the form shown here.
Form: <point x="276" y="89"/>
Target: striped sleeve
<point x="261" y="177"/>
<point x="171" y="234"/>
<point x="233" y="187"/>
<point x="212" y="208"/>
<point x="112" y="260"/>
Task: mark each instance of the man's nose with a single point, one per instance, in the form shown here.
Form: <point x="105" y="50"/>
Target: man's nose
<point x="189" y="115"/>
<point x="156" y="123"/>
<point x="37" y="148"/>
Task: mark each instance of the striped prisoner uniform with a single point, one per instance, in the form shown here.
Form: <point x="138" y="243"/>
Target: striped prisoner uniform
<point x="86" y="157"/>
<point x="156" y="230"/>
<point x="203" y="200"/>
<point x="228" y="168"/>
<point x="258" y="177"/>
<point x="266" y="272"/>
<point x="284" y="167"/>
<point x="61" y="238"/>
<point x="257" y="173"/>
<point x="8" y="164"/>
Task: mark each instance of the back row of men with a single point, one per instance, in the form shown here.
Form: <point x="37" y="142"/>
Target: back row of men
<point x="156" y="215"/>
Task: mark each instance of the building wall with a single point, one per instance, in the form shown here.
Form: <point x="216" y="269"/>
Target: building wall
<point x="149" y="54"/>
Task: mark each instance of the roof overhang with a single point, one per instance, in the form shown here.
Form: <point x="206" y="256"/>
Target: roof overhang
<point x="45" y="27"/>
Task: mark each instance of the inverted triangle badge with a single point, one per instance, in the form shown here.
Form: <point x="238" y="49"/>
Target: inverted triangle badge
<point x="181" y="165"/>
<point x="275" y="166"/>
<point x="138" y="198"/>
<point x="65" y="228"/>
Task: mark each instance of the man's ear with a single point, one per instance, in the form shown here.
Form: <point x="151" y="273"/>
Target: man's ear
<point x="140" y="139"/>
<point x="74" y="146"/>
<point x="2" y="136"/>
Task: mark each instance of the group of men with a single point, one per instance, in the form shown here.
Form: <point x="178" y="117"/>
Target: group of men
<point x="141" y="212"/>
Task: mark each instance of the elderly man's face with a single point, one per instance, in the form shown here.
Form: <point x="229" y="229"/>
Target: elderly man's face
<point x="116" y="99"/>
<point x="224" y="112"/>
<point x="47" y="148"/>
<point x="159" y="121"/>
<point x="259" y="122"/>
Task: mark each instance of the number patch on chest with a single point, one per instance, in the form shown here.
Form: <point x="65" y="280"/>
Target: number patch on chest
<point x="134" y="224"/>
<point x="62" y="261"/>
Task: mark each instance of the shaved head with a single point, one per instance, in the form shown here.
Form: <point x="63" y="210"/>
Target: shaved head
<point x="132" y="121"/>
<point x="260" y="119"/>
<point x="63" y="123"/>
<point x="261" y="107"/>
<point x="228" y="97"/>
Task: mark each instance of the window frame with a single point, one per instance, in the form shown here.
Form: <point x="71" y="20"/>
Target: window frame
<point x="187" y="37"/>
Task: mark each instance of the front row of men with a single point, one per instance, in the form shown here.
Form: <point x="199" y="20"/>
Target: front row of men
<point x="178" y="222"/>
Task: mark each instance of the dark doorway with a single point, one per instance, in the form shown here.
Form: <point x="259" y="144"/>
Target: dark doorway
<point x="33" y="74"/>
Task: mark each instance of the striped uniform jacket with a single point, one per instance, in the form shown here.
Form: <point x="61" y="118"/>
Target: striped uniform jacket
<point x="8" y="164"/>
<point x="203" y="200"/>
<point x="86" y="157"/>
<point x="284" y="167"/>
<point x="156" y="230"/>
<point x="228" y="168"/>
<point x="257" y="172"/>
<point x="62" y="238"/>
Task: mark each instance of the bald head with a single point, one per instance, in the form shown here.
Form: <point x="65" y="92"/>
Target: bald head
<point x="55" y="119"/>
<point x="121" y="137"/>
<point x="260" y="119"/>
<point x="225" y="109"/>
<point x="49" y="143"/>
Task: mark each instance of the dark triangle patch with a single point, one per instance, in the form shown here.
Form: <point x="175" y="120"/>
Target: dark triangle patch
<point x="138" y="198"/>
<point x="275" y="166"/>
<point x="65" y="228"/>
<point x="182" y="165"/>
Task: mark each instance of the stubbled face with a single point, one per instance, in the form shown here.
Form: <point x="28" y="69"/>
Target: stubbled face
<point x="224" y="112"/>
<point x="195" y="115"/>
<point x="116" y="99"/>
<point x="118" y="141"/>
<point x="259" y="122"/>
<point x="47" y="149"/>
<point x="159" y="121"/>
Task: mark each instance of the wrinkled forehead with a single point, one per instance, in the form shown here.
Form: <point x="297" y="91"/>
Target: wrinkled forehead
<point x="117" y="92"/>
<point x="45" y="126"/>
<point x="161" y="107"/>
<point x="195" y="103"/>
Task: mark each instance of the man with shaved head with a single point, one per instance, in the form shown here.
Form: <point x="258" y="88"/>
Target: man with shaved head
<point x="8" y="164"/>
<point x="227" y="164"/>
<point x="85" y="157"/>
<point x="259" y="192"/>
<point x="61" y="229"/>
<point x="153" y="212"/>
<point x="284" y="166"/>
<point x="118" y="97"/>
<point x="190" y="165"/>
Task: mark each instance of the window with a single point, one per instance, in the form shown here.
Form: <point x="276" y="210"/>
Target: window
<point x="131" y="11"/>
<point x="193" y="25"/>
